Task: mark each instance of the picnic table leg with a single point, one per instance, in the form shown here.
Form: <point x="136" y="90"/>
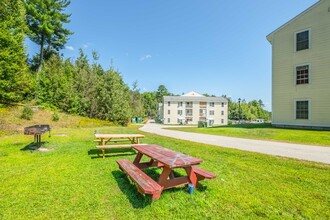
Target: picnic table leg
<point x="103" y="152"/>
<point x="156" y="196"/>
<point x="137" y="158"/>
<point x="172" y="175"/>
<point x="164" y="175"/>
<point x="191" y="175"/>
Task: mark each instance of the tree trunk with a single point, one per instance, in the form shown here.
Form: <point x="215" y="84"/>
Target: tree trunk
<point x="41" y="55"/>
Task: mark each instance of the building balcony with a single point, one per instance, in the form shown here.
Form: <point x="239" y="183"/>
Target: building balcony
<point x="202" y="106"/>
<point x="202" y="115"/>
<point x="189" y="114"/>
<point x="189" y="106"/>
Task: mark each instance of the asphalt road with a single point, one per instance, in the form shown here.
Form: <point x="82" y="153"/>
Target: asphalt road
<point x="297" y="151"/>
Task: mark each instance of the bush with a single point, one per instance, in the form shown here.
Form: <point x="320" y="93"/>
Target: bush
<point x="27" y="113"/>
<point x="55" y="116"/>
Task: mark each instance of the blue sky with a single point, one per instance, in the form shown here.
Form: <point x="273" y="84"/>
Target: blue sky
<point x="212" y="46"/>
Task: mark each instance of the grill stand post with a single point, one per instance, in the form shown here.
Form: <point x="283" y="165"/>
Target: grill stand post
<point x="37" y="139"/>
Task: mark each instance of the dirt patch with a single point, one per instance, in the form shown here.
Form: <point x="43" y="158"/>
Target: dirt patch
<point x="42" y="149"/>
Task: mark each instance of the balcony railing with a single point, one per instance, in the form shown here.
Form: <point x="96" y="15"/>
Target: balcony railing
<point x="189" y="106"/>
<point x="202" y="114"/>
<point x="202" y="106"/>
<point x="189" y="114"/>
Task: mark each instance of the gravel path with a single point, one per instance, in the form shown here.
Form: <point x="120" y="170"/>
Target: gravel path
<point x="298" y="151"/>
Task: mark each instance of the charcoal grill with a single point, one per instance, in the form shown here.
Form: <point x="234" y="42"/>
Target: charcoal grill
<point x="37" y="131"/>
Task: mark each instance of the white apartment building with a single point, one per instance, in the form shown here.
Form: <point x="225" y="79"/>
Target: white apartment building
<point x="193" y="107"/>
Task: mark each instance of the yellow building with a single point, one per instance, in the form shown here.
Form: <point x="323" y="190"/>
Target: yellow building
<point x="301" y="69"/>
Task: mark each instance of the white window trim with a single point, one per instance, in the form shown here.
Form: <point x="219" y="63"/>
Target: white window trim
<point x="309" y="74"/>
<point x="309" y="109"/>
<point x="309" y="39"/>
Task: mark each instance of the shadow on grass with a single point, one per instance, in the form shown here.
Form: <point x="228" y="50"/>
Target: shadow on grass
<point x="115" y="152"/>
<point x="138" y="200"/>
<point x="33" y="146"/>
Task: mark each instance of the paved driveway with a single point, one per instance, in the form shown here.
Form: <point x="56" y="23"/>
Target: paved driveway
<point x="298" y="151"/>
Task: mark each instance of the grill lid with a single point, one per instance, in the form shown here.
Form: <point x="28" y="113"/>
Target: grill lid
<point x="36" y="129"/>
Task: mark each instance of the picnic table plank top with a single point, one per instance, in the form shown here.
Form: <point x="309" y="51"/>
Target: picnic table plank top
<point x="119" y="136"/>
<point x="166" y="156"/>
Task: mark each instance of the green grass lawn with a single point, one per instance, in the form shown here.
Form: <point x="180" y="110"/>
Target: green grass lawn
<point x="265" y="132"/>
<point x="70" y="181"/>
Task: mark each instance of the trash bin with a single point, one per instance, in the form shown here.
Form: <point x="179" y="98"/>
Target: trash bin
<point x="139" y="120"/>
<point x="133" y="120"/>
<point x="201" y="124"/>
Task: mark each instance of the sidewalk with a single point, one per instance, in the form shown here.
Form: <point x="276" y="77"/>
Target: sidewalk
<point x="297" y="151"/>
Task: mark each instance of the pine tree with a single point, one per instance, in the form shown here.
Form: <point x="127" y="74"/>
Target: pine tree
<point x="45" y="20"/>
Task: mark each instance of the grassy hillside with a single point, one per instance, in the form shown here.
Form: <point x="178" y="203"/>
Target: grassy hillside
<point x="12" y="123"/>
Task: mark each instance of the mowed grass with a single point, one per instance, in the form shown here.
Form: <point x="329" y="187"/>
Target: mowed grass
<point x="70" y="181"/>
<point x="265" y="132"/>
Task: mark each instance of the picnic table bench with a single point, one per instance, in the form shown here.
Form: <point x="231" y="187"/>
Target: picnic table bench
<point x="168" y="160"/>
<point x="146" y="185"/>
<point x="108" y="141"/>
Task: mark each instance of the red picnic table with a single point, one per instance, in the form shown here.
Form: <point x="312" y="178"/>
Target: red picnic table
<point x="168" y="160"/>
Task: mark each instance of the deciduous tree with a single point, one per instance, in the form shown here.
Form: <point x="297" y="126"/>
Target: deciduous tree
<point x="14" y="77"/>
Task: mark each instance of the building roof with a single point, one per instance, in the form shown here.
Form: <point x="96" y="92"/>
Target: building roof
<point x="194" y="96"/>
<point x="192" y="93"/>
<point x="270" y="36"/>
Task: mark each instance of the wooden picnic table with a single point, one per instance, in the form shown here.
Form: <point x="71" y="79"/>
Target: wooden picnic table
<point x="168" y="160"/>
<point x="107" y="141"/>
<point x="108" y="138"/>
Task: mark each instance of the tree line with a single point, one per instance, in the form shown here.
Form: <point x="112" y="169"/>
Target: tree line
<point x="79" y="86"/>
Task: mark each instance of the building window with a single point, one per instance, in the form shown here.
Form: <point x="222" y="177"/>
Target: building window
<point x="222" y="104"/>
<point x="302" y="74"/>
<point x="211" y="112"/>
<point x="222" y="112"/>
<point x="168" y="120"/>
<point x="188" y="104"/>
<point x="211" y="104"/>
<point x="169" y="112"/>
<point x="179" y="104"/>
<point x="189" y="112"/>
<point x="302" y="40"/>
<point x="222" y="121"/>
<point x="168" y="103"/>
<point x="302" y="110"/>
<point x="179" y="112"/>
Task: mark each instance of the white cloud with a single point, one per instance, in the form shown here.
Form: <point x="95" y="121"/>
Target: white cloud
<point x="145" y="57"/>
<point x="69" y="48"/>
<point x="85" y="45"/>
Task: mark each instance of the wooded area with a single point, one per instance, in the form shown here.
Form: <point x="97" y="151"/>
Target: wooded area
<point x="77" y="86"/>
